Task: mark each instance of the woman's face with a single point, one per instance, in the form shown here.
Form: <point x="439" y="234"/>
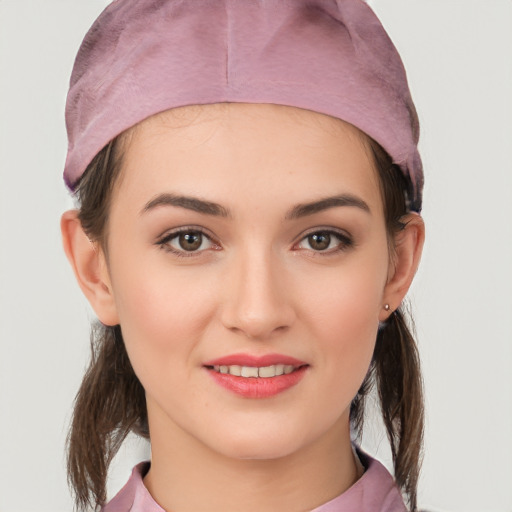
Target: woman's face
<point x="248" y="239"/>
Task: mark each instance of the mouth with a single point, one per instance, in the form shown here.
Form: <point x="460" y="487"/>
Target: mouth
<point x="257" y="377"/>
<point x="247" y="372"/>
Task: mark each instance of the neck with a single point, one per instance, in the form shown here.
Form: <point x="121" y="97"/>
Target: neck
<point x="186" y="475"/>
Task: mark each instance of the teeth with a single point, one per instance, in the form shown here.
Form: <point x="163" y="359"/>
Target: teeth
<point x="253" y="371"/>
<point x="235" y="370"/>
<point x="288" y="369"/>
<point x="249" y="371"/>
<point x="267" y="371"/>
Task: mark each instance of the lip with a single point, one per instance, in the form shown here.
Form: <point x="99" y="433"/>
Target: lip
<point x="254" y="360"/>
<point x="256" y="387"/>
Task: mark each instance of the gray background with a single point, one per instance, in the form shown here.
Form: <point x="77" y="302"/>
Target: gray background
<point x="459" y="59"/>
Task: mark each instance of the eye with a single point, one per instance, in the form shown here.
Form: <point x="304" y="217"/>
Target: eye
<point x="325" y="241"/>
<point x="186" y="242"/>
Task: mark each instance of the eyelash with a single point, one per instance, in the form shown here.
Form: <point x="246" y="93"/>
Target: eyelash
<point x="345" y="241"/>
<point x="164" y="242"/>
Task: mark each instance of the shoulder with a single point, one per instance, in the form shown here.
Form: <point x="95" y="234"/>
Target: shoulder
<point x="134" y="497"/>
<point x="379" y="487"/>
<point x="375" y="491"/>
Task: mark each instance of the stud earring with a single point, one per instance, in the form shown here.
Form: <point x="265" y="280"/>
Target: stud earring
<point x="386" y="307"/>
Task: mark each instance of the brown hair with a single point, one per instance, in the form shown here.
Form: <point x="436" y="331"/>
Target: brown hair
<point x="395" y="369"/>
<point x="111" y="401"/>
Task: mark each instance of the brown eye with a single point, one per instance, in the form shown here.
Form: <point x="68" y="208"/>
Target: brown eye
<point x="319" y="241"/>
<point x="329" y="242"/>
<point x="187" y="242"/>
<point x="190" y="241"/>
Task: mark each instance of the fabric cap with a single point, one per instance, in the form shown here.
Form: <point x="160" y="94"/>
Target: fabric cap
<point x="142" y="57"/>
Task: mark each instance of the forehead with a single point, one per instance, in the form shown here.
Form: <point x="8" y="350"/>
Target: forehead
<point x="206" y="148"/>
<point x="190" y="121"/>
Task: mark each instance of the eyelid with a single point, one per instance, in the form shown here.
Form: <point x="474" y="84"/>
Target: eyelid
<point x="164" y="239"/>
<point x="346" y="240"/>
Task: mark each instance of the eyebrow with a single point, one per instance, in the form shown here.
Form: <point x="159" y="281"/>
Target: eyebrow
<point x="305" y="209"/>
<point x="214" y="209"/>
<point x="190" y="203"/>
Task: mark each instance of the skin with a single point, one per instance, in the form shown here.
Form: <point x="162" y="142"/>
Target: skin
<point x="257" y="285"/>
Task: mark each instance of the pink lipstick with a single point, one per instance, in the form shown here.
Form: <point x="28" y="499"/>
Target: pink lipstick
<point x="256" y="376"/>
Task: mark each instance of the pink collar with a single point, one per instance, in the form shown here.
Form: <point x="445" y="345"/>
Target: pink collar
<point x="375" y="491"/>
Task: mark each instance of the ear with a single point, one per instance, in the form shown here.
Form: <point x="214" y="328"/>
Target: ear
<point x="90" y="267"/>
<point x="404" y="263"/>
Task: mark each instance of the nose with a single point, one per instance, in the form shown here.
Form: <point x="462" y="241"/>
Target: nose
<point x="258" y="298"/>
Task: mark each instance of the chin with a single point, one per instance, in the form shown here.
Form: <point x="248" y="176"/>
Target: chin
<point x="248" y="451"/>
<point x="259" y="445"/>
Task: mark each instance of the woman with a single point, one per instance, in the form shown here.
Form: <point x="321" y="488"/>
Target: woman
<point x="249" y="189"/>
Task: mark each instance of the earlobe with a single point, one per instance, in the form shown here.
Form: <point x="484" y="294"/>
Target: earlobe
<point x="407" y="255"/>
<point x="89" y="266"/>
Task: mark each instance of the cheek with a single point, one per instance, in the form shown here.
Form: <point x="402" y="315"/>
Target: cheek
<point x="343" y="317"/>
<point x="347" y="299"/>
<point x="162" y="314"/>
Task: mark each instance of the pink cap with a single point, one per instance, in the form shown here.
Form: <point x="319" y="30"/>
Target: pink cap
<point x="142" y="57"/>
